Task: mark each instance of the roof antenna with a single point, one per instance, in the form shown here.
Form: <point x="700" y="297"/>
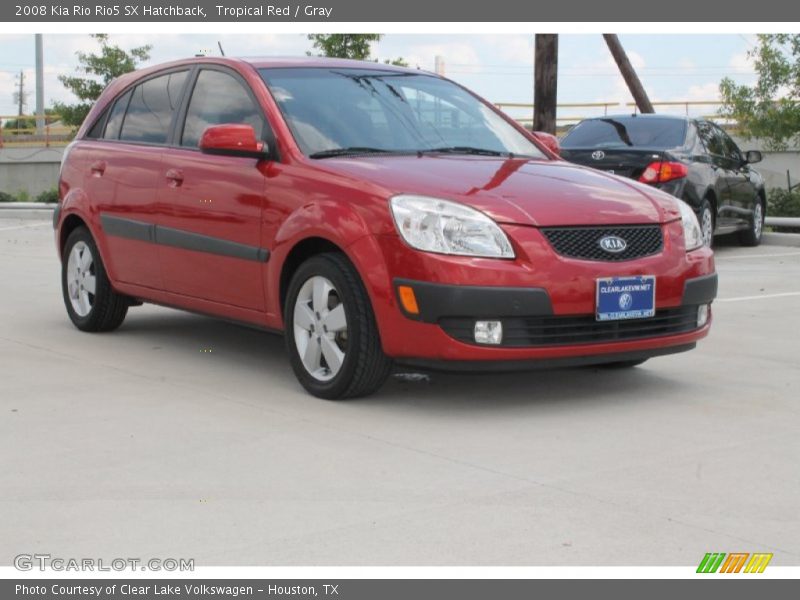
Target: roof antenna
<point x="221" y="51"/>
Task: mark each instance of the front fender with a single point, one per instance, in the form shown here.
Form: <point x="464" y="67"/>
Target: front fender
<point x="341" y="225"/>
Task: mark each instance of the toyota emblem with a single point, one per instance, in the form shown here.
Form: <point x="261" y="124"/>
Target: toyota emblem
<point x="598" y="155"/>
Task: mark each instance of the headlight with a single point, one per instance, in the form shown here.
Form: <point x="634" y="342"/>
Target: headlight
<point x="435" y="225"/>
<point x="691" y="228"/>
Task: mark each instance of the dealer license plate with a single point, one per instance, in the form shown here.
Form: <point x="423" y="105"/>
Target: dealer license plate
<point x="631" y="297"/>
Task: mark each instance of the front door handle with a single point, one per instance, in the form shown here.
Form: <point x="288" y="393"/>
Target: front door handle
<point x="98" y="168"/>
<point x="174" y="177"/>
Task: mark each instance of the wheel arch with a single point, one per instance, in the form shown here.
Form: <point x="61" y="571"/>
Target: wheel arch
<point x="300" y="252"/>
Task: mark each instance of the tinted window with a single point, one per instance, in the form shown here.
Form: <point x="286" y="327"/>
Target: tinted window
<point x="151" y="108"/>
<point x="329" y="109"/>
<point x="729" y="147"/>
<point x="114" y="123"/>
<point x="97" y="129"/>
<point x="711" y="138"/>
<point x="220" y="98"/>
<point x="632" y="132"/>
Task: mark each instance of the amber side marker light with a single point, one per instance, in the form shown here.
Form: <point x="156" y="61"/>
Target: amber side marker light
<point x="408" y="299"/>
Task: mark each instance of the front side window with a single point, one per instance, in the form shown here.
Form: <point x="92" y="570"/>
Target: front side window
<point x="329" y="109"/>
<point x="729" y="147"/>
<point x="711" y="138"/>
<point x="219" y="98"/>
<point x="151" y="108"/>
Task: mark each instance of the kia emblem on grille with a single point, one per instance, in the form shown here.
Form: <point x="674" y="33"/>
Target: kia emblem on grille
<point x="598" y="155"/>
<point x="612" y="243"/>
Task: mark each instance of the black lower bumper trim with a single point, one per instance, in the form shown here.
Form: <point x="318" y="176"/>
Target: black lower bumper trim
<point x="700" y="290"/>
<point x="436" y="300"/>
<point x="506" y="366"/>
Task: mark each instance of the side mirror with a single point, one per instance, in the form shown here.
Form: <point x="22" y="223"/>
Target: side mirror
<point x="753" y="156"/>
<point x="549" y="141"/>
<point x="233" y="139"/>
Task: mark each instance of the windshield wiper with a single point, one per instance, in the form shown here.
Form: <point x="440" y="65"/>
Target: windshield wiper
<point x="465" y="150"/>
<point x="349" y="151"/>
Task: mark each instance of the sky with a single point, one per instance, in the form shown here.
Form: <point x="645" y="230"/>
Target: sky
<point x="498" y="67"/>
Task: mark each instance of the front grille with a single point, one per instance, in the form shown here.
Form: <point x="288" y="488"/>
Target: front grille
<point x="584" y="329"/>
<point x="584" y="242"/>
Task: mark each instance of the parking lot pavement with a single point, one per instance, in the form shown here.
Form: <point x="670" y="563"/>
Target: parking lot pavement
<point x="182" y="436"/>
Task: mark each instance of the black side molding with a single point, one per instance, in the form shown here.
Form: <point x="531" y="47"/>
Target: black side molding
<point x="128" y="229"/>
<point x="436" y="300"/>
<point x="177" y="238"/>
<point x="700" y="290"/>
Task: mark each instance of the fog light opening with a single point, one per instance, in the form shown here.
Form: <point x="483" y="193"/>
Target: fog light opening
<point x="488" y="332"/>
<point x="702" y="314"/>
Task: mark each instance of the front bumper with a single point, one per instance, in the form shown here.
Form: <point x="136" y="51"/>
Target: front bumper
<point x="537" y="289"/>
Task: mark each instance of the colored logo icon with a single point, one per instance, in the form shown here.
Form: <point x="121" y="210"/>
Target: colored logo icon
<point x="735" y="562"/>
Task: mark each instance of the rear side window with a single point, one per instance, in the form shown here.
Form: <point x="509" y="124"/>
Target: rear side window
<point x="627" y="132"/>
<point x="114" y="123"/>
<point x="220" y="98"/>
<point x="151" y="108"/>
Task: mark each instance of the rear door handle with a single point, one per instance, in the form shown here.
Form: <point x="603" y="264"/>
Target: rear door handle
<point x="98" y="168"/>
<point x="174" y="177"/>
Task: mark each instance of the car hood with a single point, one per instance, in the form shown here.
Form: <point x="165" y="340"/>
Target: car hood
<point x="515" y="190"/>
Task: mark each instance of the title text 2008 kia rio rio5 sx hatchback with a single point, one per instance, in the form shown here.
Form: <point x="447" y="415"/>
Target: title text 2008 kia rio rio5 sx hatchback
<point x="375" y="215"/>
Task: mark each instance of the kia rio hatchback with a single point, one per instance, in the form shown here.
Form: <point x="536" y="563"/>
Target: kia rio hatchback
<point x="376" y="216"/>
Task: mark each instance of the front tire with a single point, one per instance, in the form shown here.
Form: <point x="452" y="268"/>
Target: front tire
<point x="752" y="235"/>
<point x="331" y="335"/>
<point x="92" y="305"/>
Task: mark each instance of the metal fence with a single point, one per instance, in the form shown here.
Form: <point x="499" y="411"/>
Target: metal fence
<point x="21" y="131"/>
<point x="569" y="113"/>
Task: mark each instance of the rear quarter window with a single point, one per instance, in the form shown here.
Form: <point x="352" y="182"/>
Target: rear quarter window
<point x="151" y="108"/>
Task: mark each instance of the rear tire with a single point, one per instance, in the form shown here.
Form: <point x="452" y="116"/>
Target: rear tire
<point x="707" y="222"/>
<point x="331" y="336"/>
<point x="92" y="305"/>
<point x="752" y="235"/>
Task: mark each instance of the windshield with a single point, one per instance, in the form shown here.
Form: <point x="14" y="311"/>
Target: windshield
<point x="349" y="111"/>
<point x="631" y="132"/>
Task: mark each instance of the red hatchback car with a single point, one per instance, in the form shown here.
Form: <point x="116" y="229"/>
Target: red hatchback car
<point x="375" y="215"/>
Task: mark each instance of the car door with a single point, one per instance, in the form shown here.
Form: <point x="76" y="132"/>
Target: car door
<point x="721" y="172"/>
<point x="210" y="206"/>
<point x="122" y="171"/>
<point x="743" y="192"/>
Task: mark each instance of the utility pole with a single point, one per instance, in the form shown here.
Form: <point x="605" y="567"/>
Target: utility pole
<point x="545" y="82"/>
<point x="628" y="74"/>
<point x="438" y="65"/>
<point x="20" y="94"/>
<point x="39" y="85"/>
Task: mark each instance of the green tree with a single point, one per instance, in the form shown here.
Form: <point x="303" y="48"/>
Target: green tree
<point x="770" y="109"/>
<point x="357" y="46"/>
<point x="101" y="68"/>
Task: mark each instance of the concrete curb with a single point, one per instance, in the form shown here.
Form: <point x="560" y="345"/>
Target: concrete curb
<point x="781" y="239"/>
<point x="27" y="210"/>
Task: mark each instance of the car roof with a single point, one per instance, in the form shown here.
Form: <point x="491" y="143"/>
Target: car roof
<point x="261" y="62"/>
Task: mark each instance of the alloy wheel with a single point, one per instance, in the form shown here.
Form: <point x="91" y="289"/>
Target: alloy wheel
<point x="81" y="279"/>
<point x="320" y="328"/>
<point x="707" y="226"/>
<point x="758" y="220"/>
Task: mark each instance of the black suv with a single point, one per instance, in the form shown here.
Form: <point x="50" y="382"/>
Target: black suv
<point x="692" y="159"/>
